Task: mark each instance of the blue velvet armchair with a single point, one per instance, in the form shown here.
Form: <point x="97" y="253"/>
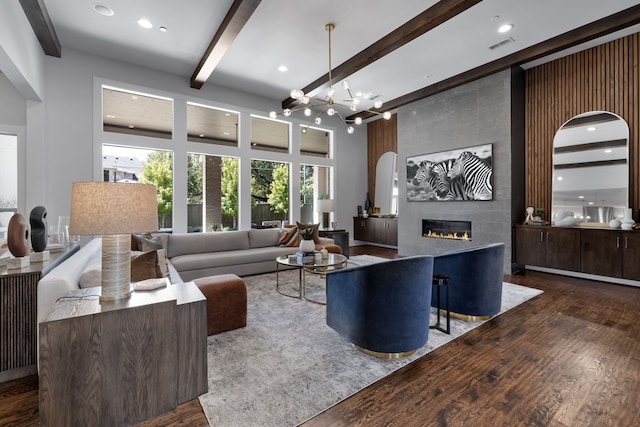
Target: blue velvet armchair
<point x="383" y="309"/>
<point x="475" y="280"/>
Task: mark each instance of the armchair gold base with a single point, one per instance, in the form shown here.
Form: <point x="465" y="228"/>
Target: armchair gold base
<point x="384" y="355"/>
<point x="468" y="317"/>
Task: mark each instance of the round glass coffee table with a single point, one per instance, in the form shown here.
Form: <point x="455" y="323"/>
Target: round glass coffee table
<point x="332" y="262"/>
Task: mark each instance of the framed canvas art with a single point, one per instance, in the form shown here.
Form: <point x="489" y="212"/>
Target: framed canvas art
<point x="460" y="174"/>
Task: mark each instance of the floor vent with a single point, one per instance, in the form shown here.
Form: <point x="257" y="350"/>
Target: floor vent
<point x="502" y="43"/>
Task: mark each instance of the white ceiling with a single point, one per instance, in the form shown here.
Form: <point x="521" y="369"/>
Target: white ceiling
<point x="291" y="33"/>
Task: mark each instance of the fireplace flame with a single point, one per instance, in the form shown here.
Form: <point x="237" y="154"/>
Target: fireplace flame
<point x="454" y="236"/>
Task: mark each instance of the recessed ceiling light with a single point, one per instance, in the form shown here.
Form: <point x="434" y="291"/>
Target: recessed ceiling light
<point x="225" y="133"/>
<point x="283" y="68"/>
<point x="201" y="135"/>
<point x="559" y="178"/>
<point x="608" y="150"/>
<point x="103" y="10"/>
<point x="580" y="197"/>
<point x="163" y="29"/>
<point x="131" y="126"/>
<point x="145" y="23"/>
<point x="591" y="128"/>
<point x="110" y="116"/>
<point x="590" y="203"/>
<point x="505" y="28"/>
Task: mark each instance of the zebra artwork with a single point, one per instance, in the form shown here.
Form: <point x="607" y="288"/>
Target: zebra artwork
<point x="452" y="175"/>
<point x="437" y="176"/>
<point x="475" y="174"/>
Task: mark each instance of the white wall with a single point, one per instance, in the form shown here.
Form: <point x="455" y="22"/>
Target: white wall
<point x="20" y="53"/>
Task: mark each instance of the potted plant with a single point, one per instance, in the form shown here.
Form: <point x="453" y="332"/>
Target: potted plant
<point x="306" y="243"/>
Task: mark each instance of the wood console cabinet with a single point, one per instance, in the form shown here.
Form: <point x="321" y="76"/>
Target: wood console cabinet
<point x="18" y="319"/>
<point x="376" y="230"/>
<point x="549" y="247"/>
<point x="122" y="362"/>
<point x="611" y="253"/>
<point x="603" y="252"/>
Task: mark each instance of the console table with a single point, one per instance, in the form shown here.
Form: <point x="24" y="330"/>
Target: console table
<point x="122" y="362"/>
<point x="18" y="317"/>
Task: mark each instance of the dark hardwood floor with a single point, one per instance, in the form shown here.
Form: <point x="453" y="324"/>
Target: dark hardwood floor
<point x="569" y="357"/>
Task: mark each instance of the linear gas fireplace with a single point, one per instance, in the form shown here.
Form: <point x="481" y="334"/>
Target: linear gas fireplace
<point x="444" y="229"/>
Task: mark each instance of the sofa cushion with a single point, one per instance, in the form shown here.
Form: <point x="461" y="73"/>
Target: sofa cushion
<point x="264" y="237"/>
<point x="197" y="243"/>
<point x="218" y="259"/>
<point x="316" y="235"/>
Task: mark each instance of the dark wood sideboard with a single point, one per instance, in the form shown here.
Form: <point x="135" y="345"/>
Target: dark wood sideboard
<point x="599" y="251"/>
<point x="18" y="314"/>
<point x="383" y="231"/>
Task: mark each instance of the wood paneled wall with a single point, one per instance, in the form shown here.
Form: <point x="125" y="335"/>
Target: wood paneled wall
<point x="605" y="78"/>
<point x="382" y="136"/>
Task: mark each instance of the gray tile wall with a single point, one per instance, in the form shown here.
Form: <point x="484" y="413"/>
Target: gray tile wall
<point x="473" y="114"/>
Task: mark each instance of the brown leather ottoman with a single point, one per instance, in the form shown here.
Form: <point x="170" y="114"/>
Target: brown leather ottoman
<point x="226" y="302"/>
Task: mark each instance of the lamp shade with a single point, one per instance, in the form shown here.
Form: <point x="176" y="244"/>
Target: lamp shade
<point x="325" y="205"/>
<point x="112" y="208"/>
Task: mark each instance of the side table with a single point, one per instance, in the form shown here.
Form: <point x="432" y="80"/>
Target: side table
<point x="340" y="236"/>
<point x="18" y="314"/>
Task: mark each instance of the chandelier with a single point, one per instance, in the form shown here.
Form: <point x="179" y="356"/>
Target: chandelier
<point x="315" y="106"/>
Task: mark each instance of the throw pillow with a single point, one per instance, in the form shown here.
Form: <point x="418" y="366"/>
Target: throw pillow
<point x="289" y="237"/>
<point x="136" y="242"/>
<point x="145" y="266"/>
<point x="316" y="235"/>
<point x="149" y="242"/>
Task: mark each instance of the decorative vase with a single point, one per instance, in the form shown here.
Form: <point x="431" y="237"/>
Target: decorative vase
<point x="627" y="221"/>
<point x="614" y="223"/>
<point x="39" y="228"/>
<point x="18" y="236"/>
<point x="367" y="204"/>
<point x="307" y="246"/>
<point x="324" y="252"/>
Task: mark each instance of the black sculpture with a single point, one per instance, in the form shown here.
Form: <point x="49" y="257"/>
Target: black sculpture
<point x="39" y="228"/>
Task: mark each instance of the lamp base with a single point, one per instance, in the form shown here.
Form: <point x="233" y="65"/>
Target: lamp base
<point x="116" y="267"/>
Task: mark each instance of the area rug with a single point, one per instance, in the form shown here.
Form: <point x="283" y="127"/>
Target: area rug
<point x="287" y="365"/>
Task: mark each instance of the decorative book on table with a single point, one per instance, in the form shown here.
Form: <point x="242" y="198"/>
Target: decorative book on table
<point x="305" y="257"/>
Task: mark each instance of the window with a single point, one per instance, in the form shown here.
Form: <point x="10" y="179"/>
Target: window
<point x="211" y="125"/>
<point x="136" y="114"/>
<point x="8" y="180"/>
<point x="314" y="142"/>
<point x="269" y="191"/>
<point x="126" y="164"/>
<point x="8" y="172"/>
<point x="315" y="183"/>
<point x="269" y="135"/>
<point x="212" y="193"/>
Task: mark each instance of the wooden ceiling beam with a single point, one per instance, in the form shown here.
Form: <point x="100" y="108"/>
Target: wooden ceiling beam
<point x="441" y="12"/>
<point x="237" y="16"/>
<point x="38" y="17"/>
<point x="610" y="24"/>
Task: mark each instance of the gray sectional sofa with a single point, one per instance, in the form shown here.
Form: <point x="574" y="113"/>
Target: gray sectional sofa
<point x="241" y="252"/>
<point x="191" y="255"/>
